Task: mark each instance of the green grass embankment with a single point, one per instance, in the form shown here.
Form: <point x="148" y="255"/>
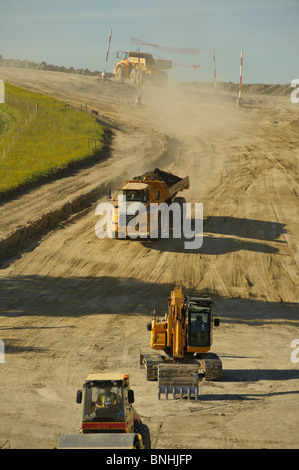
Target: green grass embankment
<point x="55" y="137"/>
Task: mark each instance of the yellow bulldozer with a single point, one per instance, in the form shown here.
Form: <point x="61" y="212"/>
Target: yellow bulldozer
<point x="151" y="69"/>
<point x="109" y="419"/>
<point x="183" y="338"/>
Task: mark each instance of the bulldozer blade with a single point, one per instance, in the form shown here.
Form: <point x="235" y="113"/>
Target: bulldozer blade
<point x="99" y="441"/>
<point x="178" y="379"/>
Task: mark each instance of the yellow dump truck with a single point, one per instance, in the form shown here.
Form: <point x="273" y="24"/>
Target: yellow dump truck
<point x="138" y="210"/>
<point x="109" y="419"/>
<point x="150" y="68"/>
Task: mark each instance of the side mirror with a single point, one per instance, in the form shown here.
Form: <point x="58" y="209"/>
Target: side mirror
<point x="131" y="396"/>
<point x="149" y="327"/>
<point x="216" y="322"/>
<point x="109" y="193"/>
<point x="79" y="396"/>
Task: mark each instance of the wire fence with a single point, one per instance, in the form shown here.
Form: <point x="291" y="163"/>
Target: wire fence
<point x="32" y="112"/>
<point x="33" y="109"/>
<point x="91" y="143"/>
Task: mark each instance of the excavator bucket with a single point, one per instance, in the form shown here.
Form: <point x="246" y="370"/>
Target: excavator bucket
<point x="100" y="441"/>
<point x="178" y="380"/>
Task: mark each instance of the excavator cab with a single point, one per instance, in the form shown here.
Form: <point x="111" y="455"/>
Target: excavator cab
<point x="198" y="329"/>
<point x="199" y="323"/>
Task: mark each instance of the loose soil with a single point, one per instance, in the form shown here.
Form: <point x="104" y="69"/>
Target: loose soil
<point x="72" y="303"/>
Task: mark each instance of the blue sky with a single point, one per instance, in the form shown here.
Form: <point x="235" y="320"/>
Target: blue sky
<point x="75" y="33"/>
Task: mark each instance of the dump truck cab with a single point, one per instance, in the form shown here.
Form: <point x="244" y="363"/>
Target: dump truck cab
<point x="137" y="192"/>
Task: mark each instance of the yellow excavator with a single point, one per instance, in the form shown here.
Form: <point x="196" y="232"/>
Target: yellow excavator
<point x="184" y="339"/>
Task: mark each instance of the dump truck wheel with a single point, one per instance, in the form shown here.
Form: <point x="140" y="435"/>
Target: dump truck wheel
<point x="119" y="74"/>
<point x="163" y="79"/>
<point x="159" y="229"/>
<point x="181" y="201"/>
<point x="144" y="431"/>
<point x="133" y="76"/>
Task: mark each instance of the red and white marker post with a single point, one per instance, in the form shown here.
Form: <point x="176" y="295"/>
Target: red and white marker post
<point x="214" y="62"/>
<point x="107" y="54"/>
<point x="138" y="97"/>
<point x="239" y="101"/>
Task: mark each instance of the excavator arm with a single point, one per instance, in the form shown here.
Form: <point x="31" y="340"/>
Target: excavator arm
<point x="178" y="323"/>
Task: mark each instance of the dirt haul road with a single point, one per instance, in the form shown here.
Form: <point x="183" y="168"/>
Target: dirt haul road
<point x="72" y="303"/>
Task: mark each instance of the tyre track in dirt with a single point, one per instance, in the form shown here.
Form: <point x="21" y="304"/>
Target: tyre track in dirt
<point x="89" y="185"/>
<point x="101" y="292"/>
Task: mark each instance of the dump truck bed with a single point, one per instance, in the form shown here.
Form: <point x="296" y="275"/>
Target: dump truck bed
<point x="159" y="175"/>
<point x="159" y="191"/>
<point x="167" y="184"/>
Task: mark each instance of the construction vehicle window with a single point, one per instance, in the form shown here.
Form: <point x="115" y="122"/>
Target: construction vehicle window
<point x="103" y="402"/>
<point x="199" y="328"/>
<point x="131" y="195"/>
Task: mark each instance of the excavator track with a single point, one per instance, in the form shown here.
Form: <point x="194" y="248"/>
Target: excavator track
<point x="211" y="367"/>
<point x="150" y="362"/>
